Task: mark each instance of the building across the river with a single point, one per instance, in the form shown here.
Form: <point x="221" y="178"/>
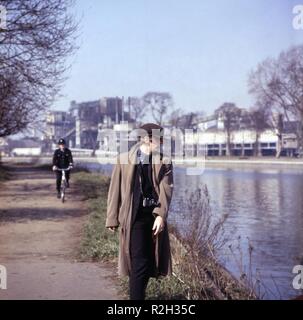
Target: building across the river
<point x="26" y="147"/>
<point x="81" y="124"/>
<point x="246" y="142"/>
<point x="85" y="126"/>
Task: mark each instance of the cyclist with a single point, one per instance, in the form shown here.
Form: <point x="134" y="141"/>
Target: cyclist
<point x="62" y="159"/>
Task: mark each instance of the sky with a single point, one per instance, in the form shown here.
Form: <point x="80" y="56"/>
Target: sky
<point x="201" y="51"/>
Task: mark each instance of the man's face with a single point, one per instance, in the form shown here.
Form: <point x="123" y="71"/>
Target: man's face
<point x="61" y="146"/>
<point x="152" y="142"/>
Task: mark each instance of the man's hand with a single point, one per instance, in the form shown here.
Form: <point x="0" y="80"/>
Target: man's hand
<point x="112" y="229"/>
<point x="54" y="168"/>
<point x="158" y="225"/>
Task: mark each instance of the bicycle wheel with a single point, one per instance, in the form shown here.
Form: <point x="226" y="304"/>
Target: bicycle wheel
<point x="63" y="194"/>
<point x="63" y="191"/>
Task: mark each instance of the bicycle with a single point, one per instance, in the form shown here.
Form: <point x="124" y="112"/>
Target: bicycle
<point x="63" y="183"/>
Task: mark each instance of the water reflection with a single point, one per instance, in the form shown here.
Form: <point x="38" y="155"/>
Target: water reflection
<point x="266" y="208"/>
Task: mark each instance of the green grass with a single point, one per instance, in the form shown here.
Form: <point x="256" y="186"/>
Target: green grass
<point x="98" y="243"/>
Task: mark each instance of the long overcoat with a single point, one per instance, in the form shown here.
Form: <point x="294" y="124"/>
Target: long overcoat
<point x="120" y="207"/>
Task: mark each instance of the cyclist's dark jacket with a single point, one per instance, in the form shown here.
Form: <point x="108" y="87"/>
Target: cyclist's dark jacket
<point x="62" y="159"/>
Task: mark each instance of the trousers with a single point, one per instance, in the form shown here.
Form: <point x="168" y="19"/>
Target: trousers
<point x="141" y="253"/>
<point x="59" y="177"/>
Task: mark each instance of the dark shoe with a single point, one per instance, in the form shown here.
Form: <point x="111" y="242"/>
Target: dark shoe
<point x="58" y="195"/>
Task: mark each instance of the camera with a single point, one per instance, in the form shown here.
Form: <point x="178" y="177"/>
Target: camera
<point x="149" y="202"/>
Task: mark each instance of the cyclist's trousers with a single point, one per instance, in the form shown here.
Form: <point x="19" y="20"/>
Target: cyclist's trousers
<point x="59" y="177"/>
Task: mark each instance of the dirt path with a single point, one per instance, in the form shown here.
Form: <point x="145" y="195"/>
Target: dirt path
<point x="39" y="237"/>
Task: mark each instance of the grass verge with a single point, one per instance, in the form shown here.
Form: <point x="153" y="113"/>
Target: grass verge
<point x="98" y="243"/>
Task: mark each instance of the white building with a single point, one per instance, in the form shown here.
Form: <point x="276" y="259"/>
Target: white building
<point x="212" y="139"/>
<point x="26" y="147"/>
<point x="242" y="142"/>
<point x="26" y="152"/>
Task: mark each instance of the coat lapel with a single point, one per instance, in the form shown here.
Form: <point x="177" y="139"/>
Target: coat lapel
<point x="130" y="164"/>
<point x="156" y="166"/>
<point x="131" y="161"/>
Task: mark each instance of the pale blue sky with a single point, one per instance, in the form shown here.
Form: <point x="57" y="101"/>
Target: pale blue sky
<point x="200" y="51"/>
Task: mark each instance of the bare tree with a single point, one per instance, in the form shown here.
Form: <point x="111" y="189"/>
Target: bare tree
<point x="179" y="119"/>
<point x="175" y="117"/>
<point x="278" y="84"/>
<point x="38" y="37"/>
<point x="231" y="116"/>
<point x="159" y="104"/>
<point x="258" y="120"/>
<point x="137" y="108"/>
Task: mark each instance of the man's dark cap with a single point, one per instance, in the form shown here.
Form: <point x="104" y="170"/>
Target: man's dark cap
<point x="61" y="141"/>
<point x="149" y="127"/>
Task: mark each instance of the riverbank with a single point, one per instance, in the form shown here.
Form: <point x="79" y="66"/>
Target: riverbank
<point x="255" y="160"/>
<point x="208" y="161"/>
<point x="210" y="281"/>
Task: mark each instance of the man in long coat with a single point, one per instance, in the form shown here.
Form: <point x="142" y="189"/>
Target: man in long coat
<point x="144" y="249"/>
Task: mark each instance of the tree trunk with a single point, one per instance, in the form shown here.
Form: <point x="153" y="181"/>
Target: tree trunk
<point x="228" y="144"/>
<point x="300" y="133"/>
<point x="257" y="150"/>
<point x="279" y="146"/>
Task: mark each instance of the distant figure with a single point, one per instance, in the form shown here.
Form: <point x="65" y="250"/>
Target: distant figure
<point x="62" y="159"/>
